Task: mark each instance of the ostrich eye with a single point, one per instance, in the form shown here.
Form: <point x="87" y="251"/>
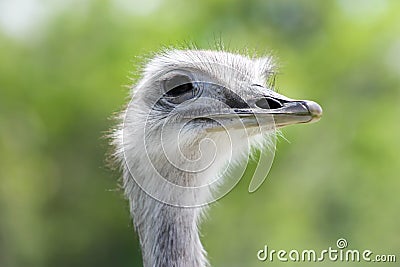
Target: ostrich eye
<point x="179" y="89"/>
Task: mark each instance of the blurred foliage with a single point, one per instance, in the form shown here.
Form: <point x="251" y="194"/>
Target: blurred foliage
<point x="63" y="77"/>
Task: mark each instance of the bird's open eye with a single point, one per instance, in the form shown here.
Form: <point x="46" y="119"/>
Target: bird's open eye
<point x="179" y="89"/>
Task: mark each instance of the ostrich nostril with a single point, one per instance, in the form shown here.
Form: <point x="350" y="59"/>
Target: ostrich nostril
<point x="268" y="103"/>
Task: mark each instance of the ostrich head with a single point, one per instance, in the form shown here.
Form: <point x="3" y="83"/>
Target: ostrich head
<point x="192" y="113"/>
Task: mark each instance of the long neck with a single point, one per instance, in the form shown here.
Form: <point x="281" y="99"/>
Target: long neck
<point x="168" y="235"/>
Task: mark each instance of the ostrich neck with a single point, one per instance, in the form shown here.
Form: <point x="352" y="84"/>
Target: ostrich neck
<point x="168" y="235"/>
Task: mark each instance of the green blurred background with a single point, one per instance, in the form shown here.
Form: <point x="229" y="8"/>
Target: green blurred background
<point x="64" y="65"/>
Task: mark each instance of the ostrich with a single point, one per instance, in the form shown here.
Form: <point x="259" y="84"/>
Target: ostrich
<point x="192" y="113"/>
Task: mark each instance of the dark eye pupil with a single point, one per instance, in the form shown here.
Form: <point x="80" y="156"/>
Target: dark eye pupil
<point x="181" y="93"/>
<point x="180" y="90"/>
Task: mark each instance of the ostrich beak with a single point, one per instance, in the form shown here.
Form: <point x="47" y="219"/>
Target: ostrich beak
<point x="269" y="112"/>
<point x="280" y="112"/>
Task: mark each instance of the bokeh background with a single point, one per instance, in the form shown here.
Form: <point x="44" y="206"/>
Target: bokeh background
<point x="63" y="70"/>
